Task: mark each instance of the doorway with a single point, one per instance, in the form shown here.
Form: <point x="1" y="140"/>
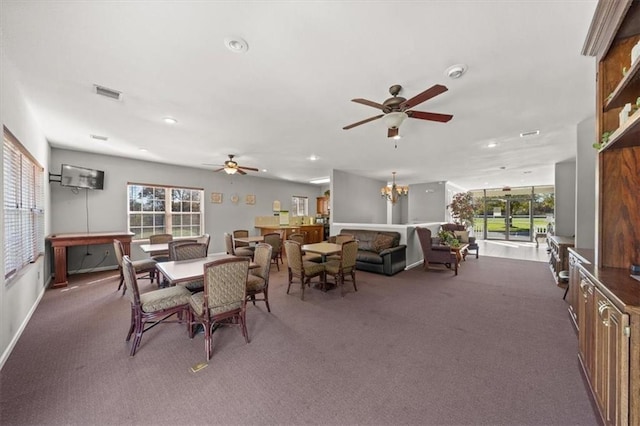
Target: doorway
<point x="513" y="214"/>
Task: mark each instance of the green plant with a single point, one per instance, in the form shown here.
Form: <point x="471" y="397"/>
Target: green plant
<point x="327" y="193"/>
<point x="462" y="208"/>
<point x="448" y="238"/>
<point x="603" y="140"/>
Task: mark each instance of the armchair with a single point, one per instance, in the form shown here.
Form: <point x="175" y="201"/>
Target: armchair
<point x="434" y="253"/>
<point x="461" y="233"/>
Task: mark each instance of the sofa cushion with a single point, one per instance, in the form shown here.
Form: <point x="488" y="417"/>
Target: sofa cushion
<point x="382" y="242"/>
<point x="462" y="236"/>
<point x="368" y="257"/>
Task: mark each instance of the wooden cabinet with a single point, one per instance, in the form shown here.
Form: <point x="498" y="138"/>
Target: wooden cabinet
<point x="608" y="313"/>
<point x="322" y="206"/>
<point x="313" y="233"/>
<point x="559" y="254"/>
<point x="608" y="334"/>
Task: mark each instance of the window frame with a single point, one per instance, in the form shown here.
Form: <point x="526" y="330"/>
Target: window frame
<point x="296" y="208"/>
<point x="23" y="206"/>
<point x="161" y="220"/>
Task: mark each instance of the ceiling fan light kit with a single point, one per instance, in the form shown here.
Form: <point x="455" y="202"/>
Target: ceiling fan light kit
<point x="396" y="109"/>
<point x="231" y="167"/>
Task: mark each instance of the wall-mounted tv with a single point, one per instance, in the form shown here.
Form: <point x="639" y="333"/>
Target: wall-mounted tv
<point x="81" y="177"/>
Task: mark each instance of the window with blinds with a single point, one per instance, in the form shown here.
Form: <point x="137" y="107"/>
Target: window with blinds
<point x="23" y="206"/>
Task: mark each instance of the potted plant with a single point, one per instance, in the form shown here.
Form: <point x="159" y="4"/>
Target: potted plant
<point x="462" y="209"/>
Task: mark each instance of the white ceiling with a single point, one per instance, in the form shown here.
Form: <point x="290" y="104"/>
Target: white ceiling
<point x="288" y="96"/>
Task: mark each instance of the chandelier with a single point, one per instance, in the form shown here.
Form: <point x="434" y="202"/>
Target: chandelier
<point x="394" y="192"/>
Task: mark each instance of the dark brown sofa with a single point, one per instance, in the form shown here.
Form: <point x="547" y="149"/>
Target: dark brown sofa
<point x="379" y="251"/>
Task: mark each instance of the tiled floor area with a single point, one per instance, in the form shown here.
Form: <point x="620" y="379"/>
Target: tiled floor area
<point x="514" y="250"/>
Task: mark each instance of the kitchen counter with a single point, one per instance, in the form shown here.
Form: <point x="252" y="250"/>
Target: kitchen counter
<point x="313" y="233"/>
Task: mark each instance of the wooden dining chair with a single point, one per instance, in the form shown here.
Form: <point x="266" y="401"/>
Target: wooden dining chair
<point x="187" y="251"/>
<point x="152" y="307"/>
<point x="344" y="265"/>
<point x="275" y="241"/>
<point x="258" y="279"/>
<point x="299" y="268"/>
<point x="223" y="301"/>
<point x="143" y="266"/>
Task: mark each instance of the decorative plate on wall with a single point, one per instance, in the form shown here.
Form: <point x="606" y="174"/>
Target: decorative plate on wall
<point x="235" y="198"/>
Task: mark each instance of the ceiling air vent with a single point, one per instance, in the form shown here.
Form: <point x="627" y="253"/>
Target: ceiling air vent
<point x="109" y="93"/>
<point x="99" y="137"/>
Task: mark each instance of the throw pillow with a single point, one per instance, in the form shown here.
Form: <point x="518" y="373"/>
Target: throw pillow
<point x="382" y="242"/>
<point x="462" y="236"/>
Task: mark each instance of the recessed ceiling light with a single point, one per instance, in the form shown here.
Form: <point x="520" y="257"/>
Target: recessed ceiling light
<point x="143" y="149"/>
<point x="236" y="44"/>
<point x="456" y="71"/>
<point x="314" y="158"/>
<point x="170" y="120"/>
<point x="492" y="145"/>
<point x="532" y="133"/>
<point x="397" y="137"/>
<point x="264" y="170"/>
<point x="320" y="180"/>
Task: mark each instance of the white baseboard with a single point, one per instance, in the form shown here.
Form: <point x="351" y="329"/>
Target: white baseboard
<point x="413" y="265"/>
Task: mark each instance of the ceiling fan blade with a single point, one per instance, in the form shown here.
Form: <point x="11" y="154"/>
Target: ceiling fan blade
<point x="219" y="170"/>
<point x="368" y="103"/>
<point x="431" y="116"/>
<point x="434" y="90"/>
<point x="392" y="132"/>
<point x="240" y="171"/>
<point x="253" y="169"/>
<point x="350" y="126"/>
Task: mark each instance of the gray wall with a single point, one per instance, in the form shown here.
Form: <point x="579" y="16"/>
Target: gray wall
<point x="586" y="158"/>
<point x="565" y="194"/>
<point x="427" y="203"/>
<point x="107" y="209"/>
<point x="20" y="295"/>
<point x="356" y="199"/>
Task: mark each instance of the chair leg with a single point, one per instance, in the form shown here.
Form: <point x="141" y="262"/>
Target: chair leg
<point x="290" y="277"/>
<point x="266" y="299"/>
<point x="353" y="278"/>
<point x="139" y="329"/>
<point x="243" y="324"/>
<point x="133" y="324"/>
<point x="208" y="345"/>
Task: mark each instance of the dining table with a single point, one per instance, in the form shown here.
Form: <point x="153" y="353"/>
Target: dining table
<point x="177" y="271"/>
<point x="324" y="249"/>
<point x="250" y="240"/>
<point x="155" y="249"/>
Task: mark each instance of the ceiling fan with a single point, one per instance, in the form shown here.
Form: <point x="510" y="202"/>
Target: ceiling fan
<point x="396" y="109"/>
<point x="231" y="167"/>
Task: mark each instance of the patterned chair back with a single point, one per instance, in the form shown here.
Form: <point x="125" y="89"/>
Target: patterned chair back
<point x="175" y="243"/>
<point x="186" y="251"/>
<point x="240" y="233"/>
<point x="131" y="280"/>
<point x="160" y="238"/>
<point x="225" y="284"/>
<point x="118" y="250"/>
<point x="228" y="242"/>
<point x="343" y="238"/>
<point x="274" y="240"/>
<point x="204" y="239"/>
<point x="262" y="257"/>
<point x="299" y="238"/>
<point x="294" y="256"/>
<point x="349" y="254"/>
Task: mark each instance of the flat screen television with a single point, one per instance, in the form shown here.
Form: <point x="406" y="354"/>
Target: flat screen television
<point x="81" y="177"/>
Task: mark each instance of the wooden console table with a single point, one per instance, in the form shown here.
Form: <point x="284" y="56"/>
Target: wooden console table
<point x="60" y="242"/>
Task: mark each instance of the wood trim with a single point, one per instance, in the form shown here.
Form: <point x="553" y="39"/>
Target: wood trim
<point x="604" y="26"/>
<point x="158" y="185"/>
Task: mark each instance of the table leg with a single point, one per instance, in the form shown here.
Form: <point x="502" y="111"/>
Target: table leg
<point x="60" y="267"/>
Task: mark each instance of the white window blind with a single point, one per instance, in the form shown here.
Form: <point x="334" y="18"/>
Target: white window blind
<point x="23" y="206"/>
